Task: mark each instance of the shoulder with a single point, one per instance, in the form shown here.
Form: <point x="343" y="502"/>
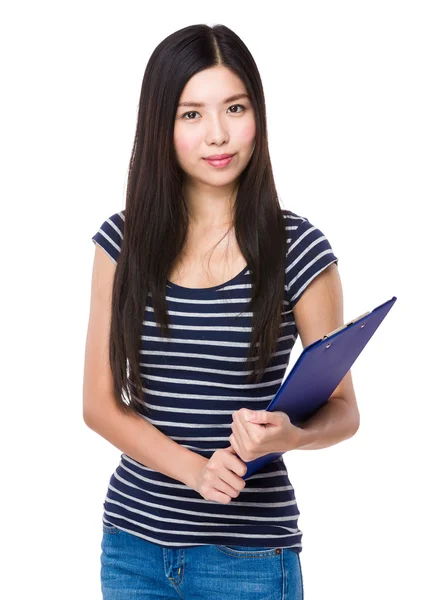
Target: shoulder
<point x="301" y="229"/>
<point x="309" y="253"/>
<point x="292" y="219"/>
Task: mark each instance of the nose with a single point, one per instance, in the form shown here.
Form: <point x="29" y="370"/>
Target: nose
<point x="217" y="132"/>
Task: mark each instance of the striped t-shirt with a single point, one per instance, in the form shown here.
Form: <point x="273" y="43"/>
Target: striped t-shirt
<point x="193" y="383"/>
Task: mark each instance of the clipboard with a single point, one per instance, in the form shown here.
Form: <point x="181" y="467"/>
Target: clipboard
<point x="319" y="370"/>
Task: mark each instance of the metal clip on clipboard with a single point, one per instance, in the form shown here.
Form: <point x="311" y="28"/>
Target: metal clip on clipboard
<point x="346" y="325"/>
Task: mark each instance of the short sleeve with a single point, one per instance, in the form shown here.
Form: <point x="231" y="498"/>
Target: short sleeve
<point x="309" y="253"/>
<point x="110" y="235"/>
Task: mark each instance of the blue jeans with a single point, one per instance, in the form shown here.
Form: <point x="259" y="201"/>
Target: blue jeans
<point x="132" y="567"/>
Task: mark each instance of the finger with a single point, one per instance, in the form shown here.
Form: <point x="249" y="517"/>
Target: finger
<point x="241" y="429"/>
<point x="262" y="417"/>
<point x="234" y="444"/>
<point x="237" y="434"/>
<point x="255" y="431"/>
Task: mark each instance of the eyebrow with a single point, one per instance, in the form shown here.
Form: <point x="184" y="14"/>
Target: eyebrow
<point x="230" y="99"/>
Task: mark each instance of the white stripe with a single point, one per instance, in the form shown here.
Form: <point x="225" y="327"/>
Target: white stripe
<point x="305" y="251"/>
<point x="202" y="523"/>
<point x="210" y="357"/>
<point x="114" y="226"/>
<point x="172" y="544"/>
<point x="195" y="315"/>
<point x="205" y="370"/>
<point x="224" y="328"/>
<point x="110" y="240"/>
<point x="218" y="343"/>
<point x="278" y="473"/>
<point x="207" y="397"/>
<point x="238" y="536"/>
<point x="200" y="500"/>
<point x="316" y="273"/>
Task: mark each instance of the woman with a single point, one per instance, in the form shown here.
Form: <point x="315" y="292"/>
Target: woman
<point x="200" y="288"/>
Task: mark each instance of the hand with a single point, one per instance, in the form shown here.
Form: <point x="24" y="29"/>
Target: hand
<point x="220" y="477"/>
<point x="260" y="432"/>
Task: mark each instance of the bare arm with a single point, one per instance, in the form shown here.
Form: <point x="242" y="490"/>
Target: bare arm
<point x="130" y="433"/>
<point x="319" y="311"/>
<point x="333" y="423"/>
<point x="143" y="442"/>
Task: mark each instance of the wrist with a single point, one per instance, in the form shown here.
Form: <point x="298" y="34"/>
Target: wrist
<point x="304" y="437"/>
<point x="299" y="438"/>
<point x="197" y="462"/>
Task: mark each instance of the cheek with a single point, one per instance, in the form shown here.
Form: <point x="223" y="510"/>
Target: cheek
<point x="183" y="145"/>
<point x="186" y="143"/>
<point x="248" y="133"/>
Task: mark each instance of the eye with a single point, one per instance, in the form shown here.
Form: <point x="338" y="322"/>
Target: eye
<point x="243" y="107"/>
<point x="195" y="111"/>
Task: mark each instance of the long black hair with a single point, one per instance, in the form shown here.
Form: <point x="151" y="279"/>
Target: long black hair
<point x="156" y="215"/>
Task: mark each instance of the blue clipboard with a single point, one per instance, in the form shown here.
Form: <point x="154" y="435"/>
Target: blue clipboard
<point x="319" y="370"/>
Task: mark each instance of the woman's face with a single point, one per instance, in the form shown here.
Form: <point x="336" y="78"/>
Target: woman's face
<point x="220" y="126"/>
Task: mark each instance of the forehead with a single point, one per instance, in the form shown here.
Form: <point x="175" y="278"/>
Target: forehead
<point x="212" y="86"/>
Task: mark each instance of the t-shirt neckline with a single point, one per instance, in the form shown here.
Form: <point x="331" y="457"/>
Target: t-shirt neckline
<point x="207" y="289"/>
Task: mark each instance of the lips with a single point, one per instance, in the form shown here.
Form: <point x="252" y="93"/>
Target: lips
<point x="218" y="156"/>
<point x="223" y="162"/>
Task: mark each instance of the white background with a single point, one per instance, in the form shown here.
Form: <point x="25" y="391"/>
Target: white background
<point x="345" y="92"/>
